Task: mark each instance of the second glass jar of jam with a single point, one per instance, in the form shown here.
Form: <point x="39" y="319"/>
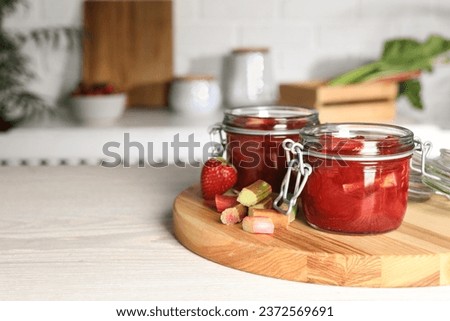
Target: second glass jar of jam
<point x="359" y="178"/>
<point x="254" y="136"/>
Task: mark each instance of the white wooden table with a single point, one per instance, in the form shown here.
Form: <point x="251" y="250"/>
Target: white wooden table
<point x="92" y="233"/>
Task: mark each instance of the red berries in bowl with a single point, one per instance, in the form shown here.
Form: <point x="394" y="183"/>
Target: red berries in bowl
<point x="94" y="90"/>
<point x="99" y="104"/>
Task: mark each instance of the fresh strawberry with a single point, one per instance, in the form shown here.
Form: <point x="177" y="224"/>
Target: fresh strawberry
<point x="217" y="177"/>
<point x="225" y="201"/>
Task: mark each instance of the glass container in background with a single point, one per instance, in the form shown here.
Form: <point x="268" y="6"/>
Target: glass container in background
<point x="195" y="95"/>
<point x="429" y="175"/>
<point x="249" y="78"/>
<point x="254" y="137"/>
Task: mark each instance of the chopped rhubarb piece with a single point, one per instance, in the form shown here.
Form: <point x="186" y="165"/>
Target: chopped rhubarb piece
<point x="341" y="145"/>
<point x="233" y="214"/>
<point x="256" y="123"/>
<point x="260" y="123"/>
<point x="292" y="214"/>
<point x="353" y="187"/>
<point x="386" y="181"/>
<point x="390" y="180"/>
<point x="278" y="219"/>
<point x="389" y="145"/>
<point x="258" y="225"/>
<point x="266" y="203"/>
<point x="254" y="193"/>
<point x="224" y="201"/>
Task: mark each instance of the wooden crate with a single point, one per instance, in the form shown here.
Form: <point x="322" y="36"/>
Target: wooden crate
<point x="373" y="102"/>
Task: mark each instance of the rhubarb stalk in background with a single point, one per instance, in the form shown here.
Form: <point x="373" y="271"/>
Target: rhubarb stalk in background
<point x="402" y="60"/>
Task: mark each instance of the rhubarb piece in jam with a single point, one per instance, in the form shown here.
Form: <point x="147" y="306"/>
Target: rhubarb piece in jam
<point x="254" y="140"/>
<point x="343" y="146"/>
<point x="389" y="145"/>
<point x="359" y="183"/>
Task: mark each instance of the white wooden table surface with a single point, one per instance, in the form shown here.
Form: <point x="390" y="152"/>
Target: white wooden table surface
<point x="92" y="233"/>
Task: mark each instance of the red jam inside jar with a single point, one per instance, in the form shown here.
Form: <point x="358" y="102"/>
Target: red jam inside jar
<point x="360" y="177"/>
<point x="254" y="140"/>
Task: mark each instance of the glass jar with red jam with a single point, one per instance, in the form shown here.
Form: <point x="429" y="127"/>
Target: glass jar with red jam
<point x="254" y="136"/>
<point x="359" y="179"/>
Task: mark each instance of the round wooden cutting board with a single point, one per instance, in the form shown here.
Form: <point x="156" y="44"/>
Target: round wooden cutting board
<point x="417" y="254"/>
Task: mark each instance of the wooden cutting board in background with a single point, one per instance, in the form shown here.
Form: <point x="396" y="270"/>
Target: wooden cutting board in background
<point x="129" y="44"/>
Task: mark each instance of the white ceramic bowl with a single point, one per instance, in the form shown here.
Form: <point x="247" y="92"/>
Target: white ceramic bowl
<point x="98" y="110"/>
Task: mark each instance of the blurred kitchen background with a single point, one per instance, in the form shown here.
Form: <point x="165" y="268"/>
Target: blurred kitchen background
<point x="307" y="40"/>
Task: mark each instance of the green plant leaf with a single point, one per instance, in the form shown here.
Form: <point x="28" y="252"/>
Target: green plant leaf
<point x="411" y="89"/>
<point x="399" y="55"/>
<point x="408" y="54"/>
<point x="14" y="67"/>
<point x="8" y="6"/>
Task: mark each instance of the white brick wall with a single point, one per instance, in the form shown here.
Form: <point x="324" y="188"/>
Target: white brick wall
<point x="308" y="39"/>
<point x="319" y="10"/>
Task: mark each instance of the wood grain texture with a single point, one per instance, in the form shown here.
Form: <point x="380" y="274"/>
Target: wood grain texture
<point x="415" y="255"/>
<point x="374" y="102"/>
<point x="378" y="112"/>
<point x="129" y="43"/>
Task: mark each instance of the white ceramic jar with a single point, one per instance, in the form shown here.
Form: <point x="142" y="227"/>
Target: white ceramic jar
<point x="249" y="78"/>
<point x="195" y="95"/>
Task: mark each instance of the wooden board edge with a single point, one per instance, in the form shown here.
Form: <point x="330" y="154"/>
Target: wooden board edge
<point x="317" y="93"/>
<point x="350" y="270"/>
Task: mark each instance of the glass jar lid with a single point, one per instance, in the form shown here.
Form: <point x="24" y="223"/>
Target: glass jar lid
<point x="262" y="120"/>
<point x="358" y="141"/>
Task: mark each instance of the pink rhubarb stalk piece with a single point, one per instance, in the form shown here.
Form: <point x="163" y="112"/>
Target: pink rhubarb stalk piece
<point x="278" y="219"/>
<point x="258" y="225"/>
<point x="225" y="201"/>
<point x="233" y="214"/>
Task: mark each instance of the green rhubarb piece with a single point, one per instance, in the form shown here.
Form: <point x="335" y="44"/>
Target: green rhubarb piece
<point x="292" y="214"/>
<point x="266" y="203"/>
<point x="254" y="193"/>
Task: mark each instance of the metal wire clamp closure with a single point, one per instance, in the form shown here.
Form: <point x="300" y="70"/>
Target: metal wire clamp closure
<point x="296" y="164"/>
<point x="423" y="148"/>
<point x="218" y="148"/>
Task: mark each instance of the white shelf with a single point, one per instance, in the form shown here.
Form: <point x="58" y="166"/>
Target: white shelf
<point x="56" y="141"/>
